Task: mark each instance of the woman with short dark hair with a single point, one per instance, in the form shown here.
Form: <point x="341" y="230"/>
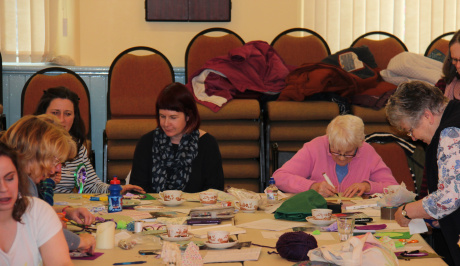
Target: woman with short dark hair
<point x="177" y="154"/>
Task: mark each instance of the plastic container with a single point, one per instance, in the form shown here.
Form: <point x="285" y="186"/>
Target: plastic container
<point x="272" y="192"/>
<point x="115" y="197"/>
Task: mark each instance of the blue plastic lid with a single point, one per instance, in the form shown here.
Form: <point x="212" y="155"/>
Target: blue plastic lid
<point x="272" y="181"/>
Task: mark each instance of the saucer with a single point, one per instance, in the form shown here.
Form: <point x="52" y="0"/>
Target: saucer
<point x="175" y="239"/>
<point x="319" y="222"/>
<point x="221" y="245"/>
<point x="172" y="203"/>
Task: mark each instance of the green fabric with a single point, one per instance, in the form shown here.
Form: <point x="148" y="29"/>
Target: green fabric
<point x="299" y="207"/>
<point x="148" y="197"/>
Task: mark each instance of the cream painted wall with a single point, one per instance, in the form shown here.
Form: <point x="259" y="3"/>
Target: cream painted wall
<point x="108" y="27"/>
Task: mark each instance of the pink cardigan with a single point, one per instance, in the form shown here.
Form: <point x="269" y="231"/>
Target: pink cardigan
<point x="310" y="162"/>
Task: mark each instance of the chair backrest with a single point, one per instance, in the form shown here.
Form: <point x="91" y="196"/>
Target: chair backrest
<point x="208" y="44"/>
<point x="280" y="157"/>
<point x="135" y="80"/>
<point x="2" y="115"/>
<point x="441" y="43"/>
<point x="55" y="77"/>
<point x="298" y="46"/>
<point x="395" y="158"/>
<point x="382" y="49"/>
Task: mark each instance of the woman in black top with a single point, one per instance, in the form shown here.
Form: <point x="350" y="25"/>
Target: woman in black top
<point x="177" y="154"/>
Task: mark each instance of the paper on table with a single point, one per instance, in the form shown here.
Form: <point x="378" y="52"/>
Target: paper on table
<point x="271" y="234"/>
<point x="371" y="212"/>
<point x="324" y="236"/>
<point x="417" y="226"/>
<point x="269" y="224"/>
<point x="342" y="198"/>
<point x="202" y="232"/>
<point x="394" y="226"/>
<point x="186" y="211"/>
<point x="272" y="208"/>
<point x="229" y="255"/>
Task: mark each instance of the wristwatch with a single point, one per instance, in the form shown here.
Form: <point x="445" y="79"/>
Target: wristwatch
<point x="404" y="212"/>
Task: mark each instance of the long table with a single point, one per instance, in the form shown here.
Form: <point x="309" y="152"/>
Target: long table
<point x="117" y="254"/>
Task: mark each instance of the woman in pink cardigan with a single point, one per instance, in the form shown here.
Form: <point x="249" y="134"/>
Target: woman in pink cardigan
<point x="352" y="165"/>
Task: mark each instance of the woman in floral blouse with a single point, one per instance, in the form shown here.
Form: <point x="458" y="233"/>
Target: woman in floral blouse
<point x="427" y="115"/>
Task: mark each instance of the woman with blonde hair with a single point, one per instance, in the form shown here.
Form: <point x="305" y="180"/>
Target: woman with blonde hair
<point x="42" y="146"/>
<point x="352" y="165"/>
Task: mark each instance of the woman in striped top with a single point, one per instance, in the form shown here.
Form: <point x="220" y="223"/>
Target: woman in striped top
<point x="64" y="104"/>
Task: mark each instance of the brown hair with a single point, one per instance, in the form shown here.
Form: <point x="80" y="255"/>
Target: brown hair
<point x="448" y="69"/>
<point x="22" y="201"/>
<point x="176" y="97"/>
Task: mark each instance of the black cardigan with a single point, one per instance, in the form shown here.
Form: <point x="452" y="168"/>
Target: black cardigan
<point x="206" y="173"/>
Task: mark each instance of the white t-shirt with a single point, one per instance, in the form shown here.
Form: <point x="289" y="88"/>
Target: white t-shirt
<point x="39" y="224"/>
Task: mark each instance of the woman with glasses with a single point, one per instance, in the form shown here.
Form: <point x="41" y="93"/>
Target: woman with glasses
<point x="427" y="115"/>
<point x="450" y="82"/>
<point x="351" y="165"/>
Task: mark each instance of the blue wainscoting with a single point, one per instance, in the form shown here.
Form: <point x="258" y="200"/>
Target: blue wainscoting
<point x="96" y="78"/>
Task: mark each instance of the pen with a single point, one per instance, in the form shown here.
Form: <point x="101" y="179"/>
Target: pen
<point x="130" y="262"/>
<point x="329" y="181"/>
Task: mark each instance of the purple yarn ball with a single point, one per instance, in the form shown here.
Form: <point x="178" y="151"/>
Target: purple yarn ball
<point x="294" y="246"/>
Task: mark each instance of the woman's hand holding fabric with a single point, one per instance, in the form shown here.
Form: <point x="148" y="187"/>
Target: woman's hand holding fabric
<point x="87" y="243"/>
<point x="80" y="215"/>
<point x="129" y="187"/>
<point x="324" y="189"/>
<point x="357" y="189"/>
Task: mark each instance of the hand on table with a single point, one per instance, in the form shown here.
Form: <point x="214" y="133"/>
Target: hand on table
<point x="324" y="189"/>
<point x="357" y="189"/>
<point x="87" y="243"/>
<point x="129" y="187"/>
<point x="80" y="215"/>
<point x="400" y="219"/>
<point x="56" y="177"/>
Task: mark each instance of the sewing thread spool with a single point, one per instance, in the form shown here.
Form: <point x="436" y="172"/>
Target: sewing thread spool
<point x="138" y="226"/>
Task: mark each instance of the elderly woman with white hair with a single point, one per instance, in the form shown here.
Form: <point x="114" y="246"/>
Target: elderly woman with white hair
<point x="352" y="165"/>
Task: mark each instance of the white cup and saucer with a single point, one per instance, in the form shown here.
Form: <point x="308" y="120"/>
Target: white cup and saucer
<point x="321" y="217"/>
<point x="176" y="232"/>
<point x="171" y="197"/>
<point x="219" y="240"/>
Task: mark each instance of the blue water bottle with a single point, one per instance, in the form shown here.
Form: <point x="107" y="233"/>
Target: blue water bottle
<point x="115" y="204"/>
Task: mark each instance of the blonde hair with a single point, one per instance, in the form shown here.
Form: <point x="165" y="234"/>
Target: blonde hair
<point x="39" y="141"/>
<point x="345" y="132"/>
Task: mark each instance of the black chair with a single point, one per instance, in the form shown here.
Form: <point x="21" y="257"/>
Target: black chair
<point x="280" y="157"/>
<point x="2" y="115"/>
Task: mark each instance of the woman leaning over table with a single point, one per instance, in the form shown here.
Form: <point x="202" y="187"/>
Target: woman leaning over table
<point x="177" y="154"/>
<point x="352" y="165"/>
<point x="41" y="147"/>
<point x="427" y="115"/>
<point x="64" y="104"/>
<point x="30" y="229"/>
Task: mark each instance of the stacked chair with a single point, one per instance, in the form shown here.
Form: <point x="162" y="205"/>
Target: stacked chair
<point x="290" y="124"/>
<point x="136" y="76"/>
<point x="238" y="125"/>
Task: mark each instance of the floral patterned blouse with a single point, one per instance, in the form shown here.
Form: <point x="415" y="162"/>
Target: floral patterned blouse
<point x="446" y="199"/>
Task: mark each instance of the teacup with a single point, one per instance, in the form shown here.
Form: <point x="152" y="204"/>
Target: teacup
<point x="218" y="237"/>
<point x="249" y="205"/>
<point x="177" y="230"/>
<point x="208" y="198"/>
<point x="171" y="195"/>
<point x="321" y="214"/>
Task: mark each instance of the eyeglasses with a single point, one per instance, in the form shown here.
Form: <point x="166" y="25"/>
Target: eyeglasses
<point x="454" y="61"/>
<point x="409" y="132"/>
<point x="343" y="155"/>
